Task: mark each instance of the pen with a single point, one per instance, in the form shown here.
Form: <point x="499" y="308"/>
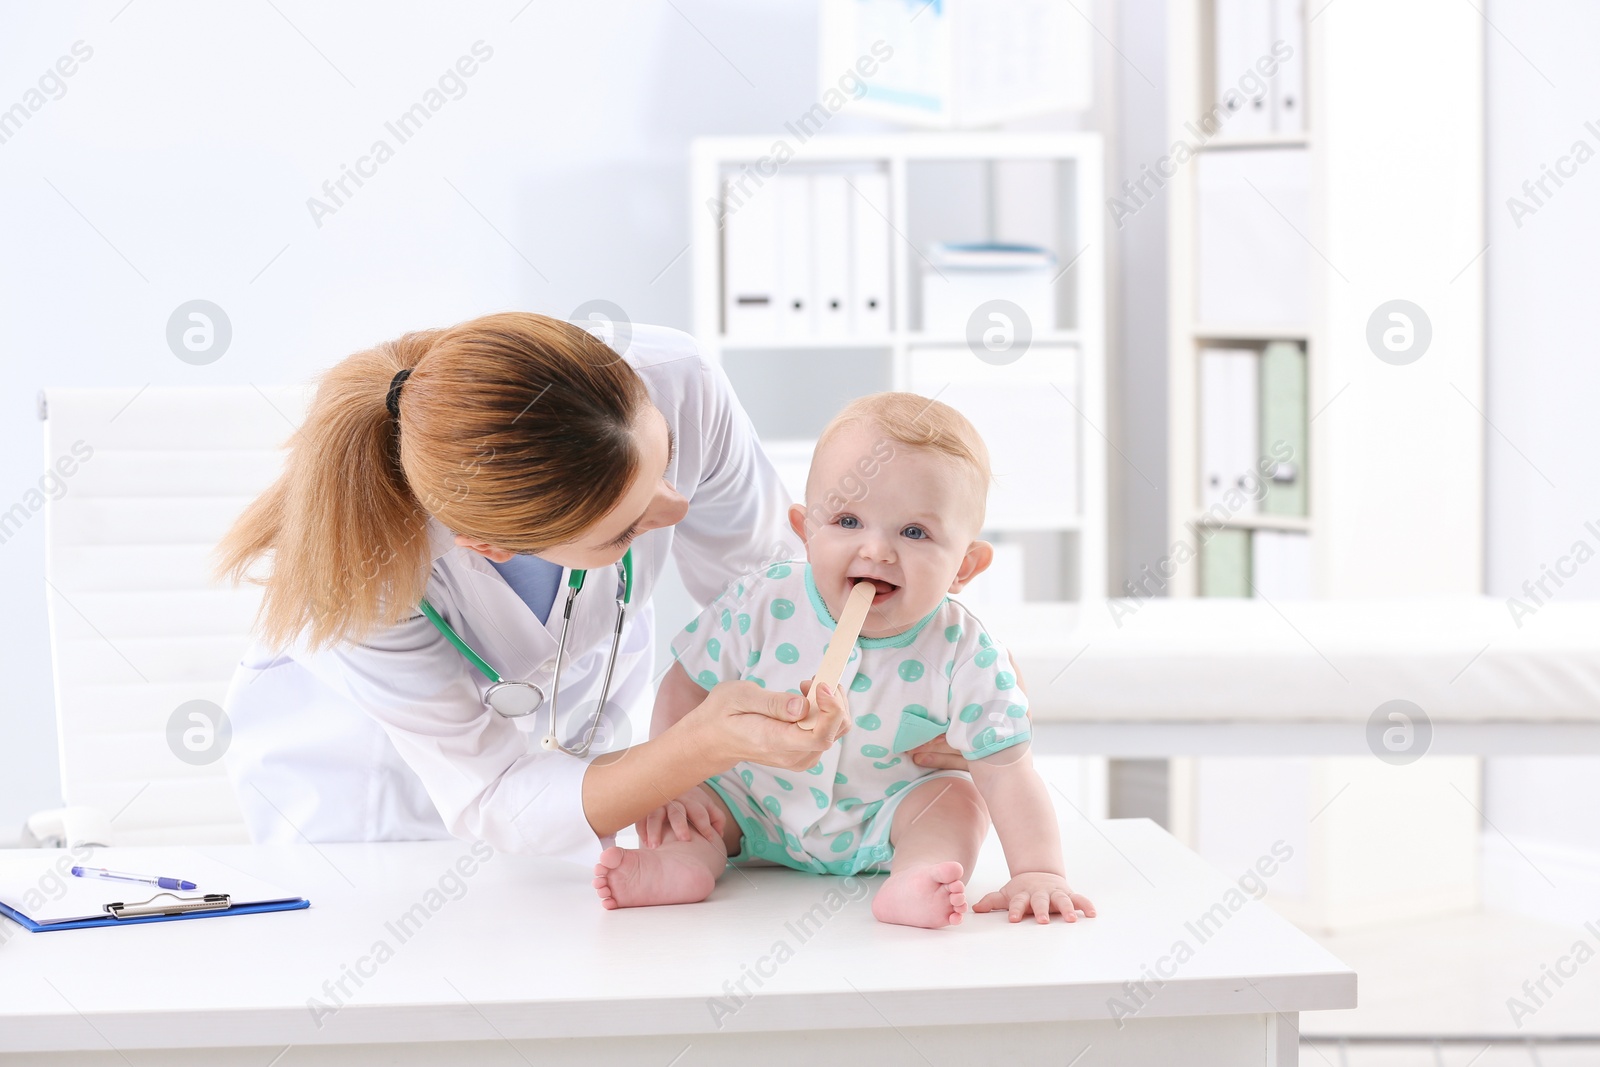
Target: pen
<point x="119" y="876"/>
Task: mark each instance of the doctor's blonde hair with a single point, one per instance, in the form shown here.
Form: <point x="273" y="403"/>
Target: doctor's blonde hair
<point x="515" y="429"/>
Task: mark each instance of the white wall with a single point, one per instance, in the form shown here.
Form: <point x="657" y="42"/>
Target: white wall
<point x="1543" y="382"/>
<point x="179" y="160"/>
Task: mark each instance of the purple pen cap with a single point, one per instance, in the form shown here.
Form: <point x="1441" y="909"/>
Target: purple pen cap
<point x="174" y="883"/>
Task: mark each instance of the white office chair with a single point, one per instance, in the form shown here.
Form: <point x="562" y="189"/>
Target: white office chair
<point x="137" y="627"/>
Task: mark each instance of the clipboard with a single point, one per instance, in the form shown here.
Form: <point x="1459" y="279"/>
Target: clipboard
<point x="133" y="914"/>
<point x="61" y="902"/>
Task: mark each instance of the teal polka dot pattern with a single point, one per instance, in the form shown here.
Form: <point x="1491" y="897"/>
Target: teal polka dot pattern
<point x="779" y="570"/>
<point x="740" y="590"/>
<point x="694" y="624"/>
<point x="950" y="670"/>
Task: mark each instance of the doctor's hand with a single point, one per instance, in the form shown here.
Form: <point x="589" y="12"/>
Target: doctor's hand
<point x="940" y="754"/>
<point x="742" y="722"/>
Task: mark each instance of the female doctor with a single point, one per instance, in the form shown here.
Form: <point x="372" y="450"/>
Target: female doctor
<point x="470" y="473"/>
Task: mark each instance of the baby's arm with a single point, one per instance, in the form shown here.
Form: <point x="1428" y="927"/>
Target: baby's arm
<point x="678" y="695"/>
<point x="1019" y="805"/>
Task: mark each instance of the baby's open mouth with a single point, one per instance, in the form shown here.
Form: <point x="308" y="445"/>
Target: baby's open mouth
<point x="881" y="588"/>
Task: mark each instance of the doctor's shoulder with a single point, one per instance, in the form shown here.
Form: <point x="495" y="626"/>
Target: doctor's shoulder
<point x="674" y="365"/>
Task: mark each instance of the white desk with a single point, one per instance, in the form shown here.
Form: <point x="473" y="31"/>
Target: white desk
<point x="527" y="956"/>
<point x="1221" y="676"/>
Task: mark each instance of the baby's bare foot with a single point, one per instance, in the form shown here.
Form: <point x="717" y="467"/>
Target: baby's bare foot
<point x="931" y="895"/>
<point x="635" y="878"/>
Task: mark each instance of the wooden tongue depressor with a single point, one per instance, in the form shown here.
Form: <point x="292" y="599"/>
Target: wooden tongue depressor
<point x="851" y="619"/>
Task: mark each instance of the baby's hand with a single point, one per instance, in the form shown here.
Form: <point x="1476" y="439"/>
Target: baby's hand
<point x="1046" y="893"/>
<point x="688" y="815"/>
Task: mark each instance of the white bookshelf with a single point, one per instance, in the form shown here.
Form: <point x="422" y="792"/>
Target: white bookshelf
<point x="1042" y="189"/>
<point x="1386" y="222"/>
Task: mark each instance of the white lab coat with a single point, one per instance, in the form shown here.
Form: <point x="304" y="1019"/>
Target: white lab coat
<point x="389" y="738"/>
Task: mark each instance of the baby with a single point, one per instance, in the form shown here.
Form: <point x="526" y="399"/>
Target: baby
<point x="896" y="497"/>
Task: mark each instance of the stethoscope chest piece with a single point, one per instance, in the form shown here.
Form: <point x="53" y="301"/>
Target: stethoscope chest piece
<point x="514" y="699"/>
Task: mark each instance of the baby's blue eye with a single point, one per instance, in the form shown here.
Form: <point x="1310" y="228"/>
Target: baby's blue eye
<point x="849" y="522"/>
<point x="916" y="533"/>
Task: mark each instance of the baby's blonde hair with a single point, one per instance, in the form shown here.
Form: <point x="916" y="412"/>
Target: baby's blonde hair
<point x="918" y="422"/>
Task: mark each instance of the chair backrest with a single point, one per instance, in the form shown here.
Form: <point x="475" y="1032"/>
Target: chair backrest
<point x="144" y="485"/>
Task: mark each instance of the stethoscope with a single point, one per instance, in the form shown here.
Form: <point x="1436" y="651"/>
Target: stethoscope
<point x="514" y="699"/>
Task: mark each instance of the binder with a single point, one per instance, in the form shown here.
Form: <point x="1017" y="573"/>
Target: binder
<point x="1289" y="84"/>
<point x="1280" y="565"/>
<point x="39" y="893"/>
<point x="750" y="259"/>
<point x="1228" y="431"/>
<point x="1243" y="37"/>
<point x="1283" y="424"/>
<point x="1225" y="564"/>
<point x="869" y="238"/>
<point x="830" y="211"/>
<point x="796" y="311"/>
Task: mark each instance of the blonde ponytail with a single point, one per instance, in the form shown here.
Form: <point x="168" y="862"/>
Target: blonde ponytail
<point x="515" y="429"/>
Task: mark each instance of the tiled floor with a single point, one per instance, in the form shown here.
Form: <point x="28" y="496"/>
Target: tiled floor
<point x="1330" y="1054"/>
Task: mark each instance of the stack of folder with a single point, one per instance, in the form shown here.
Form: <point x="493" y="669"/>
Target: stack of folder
<point x="1253" y="456"/>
